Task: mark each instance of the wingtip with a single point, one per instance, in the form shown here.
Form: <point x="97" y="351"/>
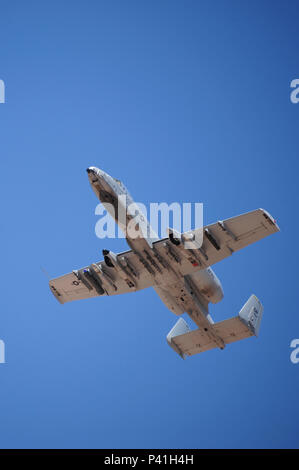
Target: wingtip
<point x="271" y="219"/>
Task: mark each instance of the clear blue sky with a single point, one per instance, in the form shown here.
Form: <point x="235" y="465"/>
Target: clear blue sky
<point x="184" y="101"/>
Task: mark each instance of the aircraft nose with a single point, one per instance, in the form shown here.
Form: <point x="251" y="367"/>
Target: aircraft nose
<point x="94" y="171"/>
<point x="91" y="170"/>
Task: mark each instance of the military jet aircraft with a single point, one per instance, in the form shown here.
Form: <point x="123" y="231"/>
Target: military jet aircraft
<point x="182" y="278"/>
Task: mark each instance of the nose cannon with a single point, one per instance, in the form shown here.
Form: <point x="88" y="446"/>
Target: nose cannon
<point x="92" y="170"/>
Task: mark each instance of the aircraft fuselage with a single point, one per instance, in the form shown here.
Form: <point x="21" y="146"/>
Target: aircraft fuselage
<point x="141" y="238"/>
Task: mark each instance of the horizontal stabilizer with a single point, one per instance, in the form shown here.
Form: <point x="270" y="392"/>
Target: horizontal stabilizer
<point x="180" y="329"/>
<point x="187" y="343"/>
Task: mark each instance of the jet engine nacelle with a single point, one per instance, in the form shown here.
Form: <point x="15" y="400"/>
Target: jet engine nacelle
<point x="208" y="285"/>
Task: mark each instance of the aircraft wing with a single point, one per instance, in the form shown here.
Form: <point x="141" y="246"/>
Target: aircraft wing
<point x="97" y="279"/>
<point x="223" y="238"/>
<point x="220" y="240"/>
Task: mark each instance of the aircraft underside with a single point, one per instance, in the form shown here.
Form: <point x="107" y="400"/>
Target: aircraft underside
<point x="181" y="277"/>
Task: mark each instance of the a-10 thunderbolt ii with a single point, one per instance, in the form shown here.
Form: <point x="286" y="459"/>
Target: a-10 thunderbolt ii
<point x="182" y="277"/>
